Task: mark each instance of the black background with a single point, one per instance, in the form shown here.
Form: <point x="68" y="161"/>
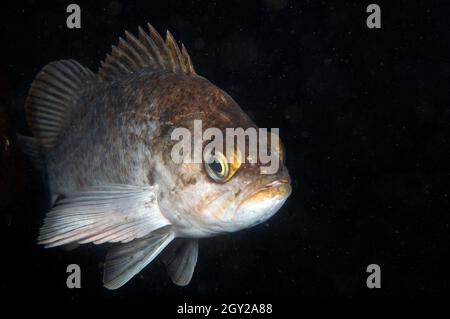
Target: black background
<point x="364" y="115"/>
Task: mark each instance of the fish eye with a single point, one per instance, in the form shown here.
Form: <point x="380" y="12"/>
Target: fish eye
<point x="217" y="167"/>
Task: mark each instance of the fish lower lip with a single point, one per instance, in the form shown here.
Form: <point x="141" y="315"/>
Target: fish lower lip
<point x="276" y="183"/>
<point x="282" y="186"/>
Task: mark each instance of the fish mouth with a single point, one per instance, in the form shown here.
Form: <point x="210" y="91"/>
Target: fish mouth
<point x="261" y="204"/>
<point x="256" y="204"/>
<point x="275" y="190"/>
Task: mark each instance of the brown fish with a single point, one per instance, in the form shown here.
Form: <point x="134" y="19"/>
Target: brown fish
<point x="107" y="141"/>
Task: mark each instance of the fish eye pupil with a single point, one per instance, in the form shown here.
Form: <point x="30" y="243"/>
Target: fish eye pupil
<point x="216" y="167"/>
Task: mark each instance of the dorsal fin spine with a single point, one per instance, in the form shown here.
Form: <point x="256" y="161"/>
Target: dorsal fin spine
<point x="121" y="55"/>
<point x="136" y="49"/>
<point x="187" y="60"/>
<point x="130" y="53"/>
<point x="147" y="43"/>
<point x="114" y="62"/>
<point x="159" y="44"/>
<point x="174" y="51"/>
<point x="148" y="50"/>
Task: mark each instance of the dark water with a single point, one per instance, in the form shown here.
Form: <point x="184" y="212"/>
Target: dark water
<point x="364" y="116"/>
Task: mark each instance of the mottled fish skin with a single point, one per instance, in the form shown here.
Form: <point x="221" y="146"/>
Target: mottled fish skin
<point x="107" y="138"/>
<point x="123" y="128"/>
<point x="122" y="134"/>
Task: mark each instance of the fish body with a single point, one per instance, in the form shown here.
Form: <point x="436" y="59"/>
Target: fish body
<point x="107" y="141"/>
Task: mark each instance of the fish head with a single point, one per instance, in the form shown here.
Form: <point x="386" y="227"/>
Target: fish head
<point x="225" y="195"/>
<point x="230" y="188"/>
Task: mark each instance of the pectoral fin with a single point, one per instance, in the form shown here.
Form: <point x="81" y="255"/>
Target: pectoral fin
<point x="126" y="260"/>
<point x="180" y="259"/>
<point x="111" y="213"/>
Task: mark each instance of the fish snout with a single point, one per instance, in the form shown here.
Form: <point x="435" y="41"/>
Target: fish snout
<point x="263" y="203"/>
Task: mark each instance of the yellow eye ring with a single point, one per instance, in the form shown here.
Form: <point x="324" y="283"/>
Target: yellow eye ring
<point x="216" y="166"/>
<point x="281" y="151"/>
<point x="219" y="168"/>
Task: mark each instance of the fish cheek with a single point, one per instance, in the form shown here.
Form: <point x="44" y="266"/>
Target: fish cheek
<point x="187" y="180"/>
<point x="190" y="180"/>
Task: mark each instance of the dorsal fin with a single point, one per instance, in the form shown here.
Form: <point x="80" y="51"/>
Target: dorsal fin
<point x="51" y="97"/>
<point x="149" y="50"/>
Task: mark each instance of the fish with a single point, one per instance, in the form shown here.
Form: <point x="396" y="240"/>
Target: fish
<point x="104" y="142"/>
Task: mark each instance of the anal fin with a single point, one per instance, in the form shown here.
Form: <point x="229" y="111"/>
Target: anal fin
<point x="180" y="259"/>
